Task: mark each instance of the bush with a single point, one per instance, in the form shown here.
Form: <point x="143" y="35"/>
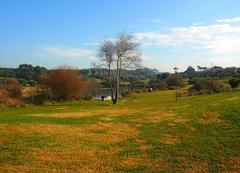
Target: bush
<point x="7" y="100"/>
<point x="220" y="86"/>
<point x="208" y="85"/>
<point x="65" y="83"/>
<point x="38" y="96"/>
<point x="157" y="84"/>
<point x="10" y="92"/>
<point x="13" y="87"/>
<point x="175" y="80"/>
<point x="234" y="83"/>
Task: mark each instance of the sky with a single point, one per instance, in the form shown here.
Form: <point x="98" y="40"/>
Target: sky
<point x="172" y="33"/>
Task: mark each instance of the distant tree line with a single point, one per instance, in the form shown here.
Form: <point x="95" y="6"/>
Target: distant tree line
<point x="215" y="71"/>
<point x="28" y="74"/>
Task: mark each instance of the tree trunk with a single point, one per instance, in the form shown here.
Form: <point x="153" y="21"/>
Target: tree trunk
<point x="117" y="83"/>
<point x="110" y="81"/>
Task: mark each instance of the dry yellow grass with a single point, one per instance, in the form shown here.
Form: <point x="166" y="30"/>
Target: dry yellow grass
<point x="75" y="159"/>
<point x="234" y="164"/>
<point x="62" y="161"/>
<point x="210" y="118"/>
<point x="142" y="161"/>
<point x="115" y="132"/>
<point x="198" y="167"/>
<point x="106" y="112"/>
<point x="170" y="140"/>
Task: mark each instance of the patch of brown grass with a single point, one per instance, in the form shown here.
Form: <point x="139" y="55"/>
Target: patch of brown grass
<point x="234" y="164"/>
<point x="115" y="132"/>
<point x="210" y="118"/>
<point x="144" y="147"/>
<point x="106" y="118"/>
<point x="105" y="112"/>
<point x="63" y="161"/>
<point x="162" y="114"/>
<point x="198" y="167"/>
<point x="142" y="161"/>
<point x="42" y="129"/>
<point x="170" y="140"/>
<point x="172" y="119"/>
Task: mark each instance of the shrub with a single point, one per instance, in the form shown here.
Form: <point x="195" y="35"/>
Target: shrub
<point x="38" y="96"/>
<point x="208" y="85"/>
<point x="234" y="83"/>
<point x="7" y="100"/>
<point x="192" y="92"/>
<point x="13" y="87"/>
<point x="10" y="92"/>
<point x="65" y="83"/>
<point x="157" y="84"/>
<point x="220" y="86"/>
<point x="175" y="80"/>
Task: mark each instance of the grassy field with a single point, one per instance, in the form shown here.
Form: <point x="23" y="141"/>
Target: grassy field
<point x="150" y="133"/>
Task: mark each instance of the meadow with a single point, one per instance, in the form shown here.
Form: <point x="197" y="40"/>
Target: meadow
<point x="149" y="132"/>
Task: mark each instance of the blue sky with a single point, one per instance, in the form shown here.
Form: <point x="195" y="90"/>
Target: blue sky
<point x="173" y="33"/>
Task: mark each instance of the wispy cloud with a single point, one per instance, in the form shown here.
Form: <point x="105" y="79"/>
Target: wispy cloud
<point x="151" y="20"/>
<point x="218" y="37"/>
<point x="60" y="51"/>
<point x="235" y="19"/>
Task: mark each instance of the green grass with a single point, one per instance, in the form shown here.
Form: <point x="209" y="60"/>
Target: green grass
<point x="151" y="133"/>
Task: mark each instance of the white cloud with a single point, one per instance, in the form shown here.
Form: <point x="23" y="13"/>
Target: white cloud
<point x="67" y="52"/>
<point x="151" y="20"/>
<point x="235" y="19"/>
<point x="218" y="38"/>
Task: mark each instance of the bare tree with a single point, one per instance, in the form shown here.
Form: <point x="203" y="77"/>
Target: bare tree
<point x="119" y="55"/>
<point x="107" y="56"/>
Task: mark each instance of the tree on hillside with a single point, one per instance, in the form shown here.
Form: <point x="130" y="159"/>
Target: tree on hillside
<point x="175" y="80"/>
<point x="234" y="83"/>
<point x="163" y="76"/>
<point x="190" y="72"/>
<point x="119" y="55"/>
<point x="65" y="83"/>
<point x="157" y="84"/>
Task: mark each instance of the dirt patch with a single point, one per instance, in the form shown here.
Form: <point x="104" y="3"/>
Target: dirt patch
<point x="115" y="132"/>
<point x="210" y="118"/>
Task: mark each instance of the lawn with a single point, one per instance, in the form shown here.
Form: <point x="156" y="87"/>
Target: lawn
<point x="151" y="132"/>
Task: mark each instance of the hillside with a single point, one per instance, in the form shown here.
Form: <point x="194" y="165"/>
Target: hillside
<point x="147" y="132"/>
